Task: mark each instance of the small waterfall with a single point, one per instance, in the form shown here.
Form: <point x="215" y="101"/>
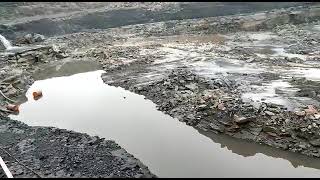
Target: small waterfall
<point x="5" y="42"/>
<point x="9" y="48"/>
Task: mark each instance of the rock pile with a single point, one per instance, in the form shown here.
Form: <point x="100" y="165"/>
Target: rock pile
<point x="30" y="39"/>
<point x="215" y="105"/>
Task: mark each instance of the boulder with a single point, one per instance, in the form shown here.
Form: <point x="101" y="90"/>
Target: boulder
<point x="191" y="86"/>
<point x="241" y="119"/>
<point x="38" y="38"/>
<point x="216" y="127"/>
<point x="202" y="107"/>
<point x="269" y="113"/>
<point x="221" y="106"/>
<point x="300" y="113"/>
<point x="30" y="38"/>
<point x="307" y="92"/>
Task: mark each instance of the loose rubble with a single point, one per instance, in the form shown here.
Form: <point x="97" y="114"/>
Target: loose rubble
<point x="30" y="39"/>
<point x="218" y="108"/>
<point x="215" y="104"/>
<point x="52" y="152"/>
<point x="159" y="60"/>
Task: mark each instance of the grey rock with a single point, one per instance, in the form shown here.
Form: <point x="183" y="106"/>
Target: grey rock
<point x="269" y="113"/>
<point x="307" y="92"/>
<point x="167" y="83"/>
<point x="2" y="47"/>
<point x="274" y="110"/>
<point x="270" y="129"/>
<point x="55" y="49"/>
<point x="216" y="127"/>
<point x="244" y="134"/>
<point x="255" y="131"/>
<point x="28" y="38"/>
<point x="274" y="117"/>
<point x="315" y="142"/>
<point x="273" y="105"/>
<point x="304" y="129"/>
<point x="303" y="145"/>
<point x="32" y="38"/>
<point x="202" y="107"/>
<point x="22" y="60"/>
<point x="300" y="113"/>
<point x="191" y="86"/>
<point x="241" y="119"/>
<point x="139" y="88"/>
<point x="38" y="38"/>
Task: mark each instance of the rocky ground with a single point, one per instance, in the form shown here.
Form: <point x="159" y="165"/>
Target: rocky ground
<point x="2" y="174"/>
<point x="52" y="152"/>
<point x="197" y="70"/>
<point x="216" y="106"/>
<point x="183" y="85"/>
<point x="15" y="12"/>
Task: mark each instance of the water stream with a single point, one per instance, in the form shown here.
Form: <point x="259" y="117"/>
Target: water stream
<point x="5" y="42"/>
<point x="15" y="49"/>
<point x="170" y="148"/>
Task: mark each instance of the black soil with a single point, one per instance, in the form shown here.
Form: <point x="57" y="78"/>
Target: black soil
<point x="52" y="152"/>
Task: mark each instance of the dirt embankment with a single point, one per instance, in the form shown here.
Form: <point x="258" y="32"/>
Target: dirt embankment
<point x="21" y="12"/>
<point x="74" y="18"/>
<point x="217" y="106"/>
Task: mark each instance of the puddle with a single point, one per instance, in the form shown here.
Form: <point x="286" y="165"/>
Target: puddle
<point x="268" y="93"/>
<point x="253" y="39"/>
<point x="278" y="92"/>
<point x="208" y="64"/>
<point x="82" y="102"/>
<point x="205" y="62"/>
<point x="268" y="45"/>
<point x="211" y="67"/>
<point x="316" y="27"/>
<point x="262" y="36"/>
<point x="308" y="73"/>
<point x="174" y="54"/>
<point x="263" y="44"/>
<point x="65" y="67"/>
<point x="283" y="53"/>
<point x="274" y="52"/>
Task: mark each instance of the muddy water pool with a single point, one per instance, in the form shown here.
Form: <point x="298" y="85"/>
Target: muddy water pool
<point x="83" y="103"/>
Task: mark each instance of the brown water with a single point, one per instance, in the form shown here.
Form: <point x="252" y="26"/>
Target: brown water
<point x="82" y="102"/>
<point x="65" y="67"/>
